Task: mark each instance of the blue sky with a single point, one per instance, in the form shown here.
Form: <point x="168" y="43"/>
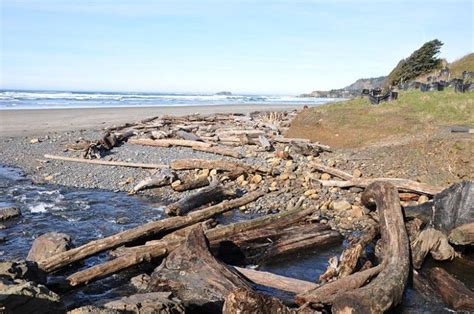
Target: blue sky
<point x="277" y="47"/>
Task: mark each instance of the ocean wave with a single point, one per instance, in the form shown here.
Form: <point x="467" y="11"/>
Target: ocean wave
<point x="40" y="208"/>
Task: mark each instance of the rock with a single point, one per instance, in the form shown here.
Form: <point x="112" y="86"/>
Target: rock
<point x="9" y="212"/>
<point x="90" y="309"/>
<point x="357" y="211"/>
<point x="310" y="192"/>
<point x="256" y="179"/>
<point x="49" y="244"/>
<point x="282" y="154"/>
<point x="423" y="199"/>
<point x="341" y="205"/>
<point x="355" y="189"/>
<point x="325" y="176"/>
<point x="213" y="172"/>
<point x="240" y="179"/>
<point x="176" y="183"/>
<point x="22" y="270"/>
<point x="140" y="282"/>
<point x="153" y="302"/>
<point x="121" y="220"/>
<point x="284" y="176"/>
<point x="21" y="296"/>
<point x="357" y="173"/>
<point x="34" y="140"/>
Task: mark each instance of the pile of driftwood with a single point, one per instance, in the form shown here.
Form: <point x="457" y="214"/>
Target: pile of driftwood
<point x="195" y="254"/>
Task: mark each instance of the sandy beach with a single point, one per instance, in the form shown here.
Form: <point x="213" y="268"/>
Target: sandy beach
<point x="38" y="122"/>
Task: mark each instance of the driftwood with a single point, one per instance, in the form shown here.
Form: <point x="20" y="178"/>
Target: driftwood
<point x="219" y="151"/>
<point x="386" y="290"/>
<point x="401" y="184"/>
<point x="431" y="241"/>
<point x="106" y="163"/>
<point x="168" y="143"/>
<point x="305" y="149"/>
<point x="224" y="165"/>
<point x="212" y="194"/>
<point x="192" y="184"/>
<point x="247" y="301"/>
<point x="188" y="136"/>
<point x="128" y="257"/>
<point x="332" y="171"/>
<point x="276" y="281"/>
<point x="326" y="293"/>
<point x="265" y="143"/>
<point x="462" y="235"/>
<point x="195" y="276"/>
<point x="164" y="177"/>
<point x="452" y="291"/>
<point x="352" y="253"/>
<point x="60" y="260"/>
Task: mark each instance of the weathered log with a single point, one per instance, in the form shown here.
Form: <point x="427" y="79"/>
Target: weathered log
<point x="327" y="293"/>
<point x="332" y="171"/>
<point x="247" y="301"/>
<point x="305" y="149"/>
<point x="195" y="276"/>
<point x="219" y="151"/>
<point x="168" y="143"/>
<point x="212" y="194"/>
<point x="385" y="291"/>
<point x="188" y="136"/>
<point x="352" y="253"/>
<point x="106" y="163"/>
<point x="265" y="143"/>
<point x="462" y="235"/>
<point x="60" y="260"/>
<point x="285" y="140"/>
<point x="431" y="241"/>
<point x="128" y="257"/>
<point x="192" y="184"/>
<point x="276" y="281"/>
<point x="164" y="177"/>
<point x="401" y="184"/>
<point x="452" y="291"/>
<point x="225" y="165"/>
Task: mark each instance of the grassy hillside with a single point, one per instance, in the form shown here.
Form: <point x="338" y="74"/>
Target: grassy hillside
<point x="357" y="123"/>
<point x="466" y="63"/>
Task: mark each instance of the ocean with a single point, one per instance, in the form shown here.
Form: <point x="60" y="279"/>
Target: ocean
<point x="10" y="99"/>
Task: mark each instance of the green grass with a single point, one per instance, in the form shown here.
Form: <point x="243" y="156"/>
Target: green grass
<point x="466" y="63"/>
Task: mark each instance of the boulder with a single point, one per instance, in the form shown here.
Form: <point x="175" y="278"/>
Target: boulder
<point x="22" y="270"/>
<point x="152" y="302"/>
<point x="341" y="205"/>
<point x="9" y="212"/>
<point x="49" y="244"/>
<point x="22" y="296"/>
<point x="140" y="282"/>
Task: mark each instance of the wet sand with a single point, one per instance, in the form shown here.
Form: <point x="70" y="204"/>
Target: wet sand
<point x="38" y="122"/>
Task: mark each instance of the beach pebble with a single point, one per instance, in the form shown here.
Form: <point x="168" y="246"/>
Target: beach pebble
<point x="49" y="244"/>
<point x="341" y="205"/>
<point x="423" y="199"/>
<point x="9" y="212"/>
<point x="325" y="176"/>
<point x="357" y="173"/>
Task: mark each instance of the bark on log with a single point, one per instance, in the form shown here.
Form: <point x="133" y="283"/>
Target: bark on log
<point x="60" y="260"/>
<point x="452" y="291"/>
<point x="106" y="163"/>
<point x="219" y="151"/>
<point x="462" y="235"/>
<point x="168" y="143"/>
<point x="247" y="301"/>
<point x="401" y="184"/>
<point x="327" y="293"/>
<point x="385" y="291"/>
<point x="195" y="276"/>
<point x="190" y="164"/>
<point x="195" y="183"/>
<point x="212" y="194"/>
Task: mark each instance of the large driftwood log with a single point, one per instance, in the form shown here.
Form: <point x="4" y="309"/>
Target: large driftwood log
<point x="452" y="291"/>
<point x="168" y="143"/>
<point x="60" y="260"/>
<point x="212" y="194"/>
<point x="128" y="257"/>
<point x="106" y="163"/>
<point x="462" y="235"/>
<point x="188" y="136"/>
<point x="162" y="178"/>
<point x="190" y="164"/>
<point x="195" y="276"/>
<point x="276" y="281"/>
<point x="385" y="291"/>
<point x="326" y="293"/>
<point x="219" y="151"/>
<point x="191" y="184"/>
<point x="401" y="184"/>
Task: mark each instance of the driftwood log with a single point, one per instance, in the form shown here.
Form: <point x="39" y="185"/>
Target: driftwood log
<point x="452" y="291"/>
<point x="162" y="178"/>
<point x="224" y="165"/>
<point x="386" y="290"/>
<point x="168" y="143"/>
<point x="191" y="184"/>
<point x="60" y="260"/>
<point x="195" y="276"/>
<point x="219" y="151"/>
<point x="212" y="194"/>
<point x="247" y="301"/>
<point x="462" y="235"/>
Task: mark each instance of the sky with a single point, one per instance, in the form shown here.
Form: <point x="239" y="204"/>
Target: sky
<point x="262" y="47"/>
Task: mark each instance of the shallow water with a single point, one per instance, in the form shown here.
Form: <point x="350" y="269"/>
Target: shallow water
<point x="87" y="214"/>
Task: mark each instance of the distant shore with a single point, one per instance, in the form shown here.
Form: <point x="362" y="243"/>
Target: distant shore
<point x="38" y="122"/>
